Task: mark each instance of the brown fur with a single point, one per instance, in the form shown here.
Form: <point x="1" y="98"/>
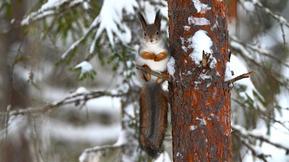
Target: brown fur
<point x="152" y="32"/>
<point x="153" y="118"/>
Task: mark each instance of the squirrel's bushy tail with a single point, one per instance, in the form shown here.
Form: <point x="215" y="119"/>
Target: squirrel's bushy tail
<point x="153" y="118"/>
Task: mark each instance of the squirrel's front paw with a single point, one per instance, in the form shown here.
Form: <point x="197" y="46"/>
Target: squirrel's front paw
<point x="161" y="56"/>
<point x="164" y="76"/>
<point x="147" y="55"/>
<point x="146" y="75"/>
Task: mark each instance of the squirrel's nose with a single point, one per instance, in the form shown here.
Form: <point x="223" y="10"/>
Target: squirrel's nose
<point x="152" y="40"/>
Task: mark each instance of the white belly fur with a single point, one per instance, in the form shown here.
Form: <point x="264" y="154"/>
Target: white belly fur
<point x="158" y="66"/>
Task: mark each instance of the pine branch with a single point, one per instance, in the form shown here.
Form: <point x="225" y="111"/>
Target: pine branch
<point x="247" y="134"/>
<point x="277" y="17"/>
<point x="72" y="99"/>
<point x="49" y="11"/>
<point x="104" y="153"/>
<point x="242" y="76"/>
<point x="238" y="45"/>
<point x="254" y="151"/>
<point x="93" y="25"/>
<point x="263" y="114"/>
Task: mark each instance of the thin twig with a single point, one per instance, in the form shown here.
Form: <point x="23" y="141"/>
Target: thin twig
<point x="283" y="34"/>
<point x="264" y="115"/>
<point x="247" y="56"/>
<point x="72" y="99"/>
<point x="277" y="17"/>
<point x="120" y="143"/>
<point x="100" y="148"/>
<point x="79" y="41"/>
<point x="242" y="47"/>
<point x="50" y="11"/>
<point x="7" y="121"/>
<point x="246" y="75"/>
<point x="254" y="152"/>
<point x="246" y="134"/>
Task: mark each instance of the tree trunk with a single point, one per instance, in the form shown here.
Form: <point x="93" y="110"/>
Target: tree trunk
<point x="14" y="90"/>
<point x="200" y="99"/>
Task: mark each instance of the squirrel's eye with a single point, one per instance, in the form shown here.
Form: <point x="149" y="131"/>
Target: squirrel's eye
<point x="145" y="34"/>
<point x="157" y="33"/>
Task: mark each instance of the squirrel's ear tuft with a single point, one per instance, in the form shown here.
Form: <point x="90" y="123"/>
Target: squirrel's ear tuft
<point x="142" y="20"/>
<point x="158" y="19"/>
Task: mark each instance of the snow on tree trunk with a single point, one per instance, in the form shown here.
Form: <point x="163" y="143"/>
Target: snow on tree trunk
<point x="200" y="100"/>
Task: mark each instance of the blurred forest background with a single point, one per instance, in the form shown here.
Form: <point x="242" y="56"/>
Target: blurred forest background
<point x="68" y="87"/>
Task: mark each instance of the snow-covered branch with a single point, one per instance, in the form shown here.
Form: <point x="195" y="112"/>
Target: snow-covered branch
<point x="244" y="48"/>
<point x="51" y="7"/>
<point x="106" y="152"/>
<point x="255" y="152"/>
<point x="242" y="132"/>
<point x="93" y="25"/>
<point x="108" y="21"/>
<point x="75" y="98"/>
<point x="258" y="4"/>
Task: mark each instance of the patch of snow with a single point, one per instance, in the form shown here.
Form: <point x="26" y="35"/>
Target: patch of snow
<point x="105" y="104"/>
<point x="213" y="62"/>
<point x="130" y="111"/>
<point x="94" y="134"/>
<point x="80" y="90"/>
<point x="199" y="42"/>
<point x="228" y="72"/>
<point x="193" y="127"/>
<point x="86" y="5"/>
<point x="47" y="9"/>
<point x="183" y="44"/>
<point x="164" y="157"/>
<point x="239" y="46"/>
<point x="52" y="3"/>
<point x="202" y="121"/>
<point x="121" y="139"/>
<point x="278" y="134"/>
<point x="82" y="157"/>
<point x="187" y="28"/>
<point x="110" y="20"/>
<point x="239" y="68"/>
<point x="12" y="21"/>
<point x="249" y="6"/>
<point x="198" y="21"/>
<point x="200" y="7"/>
<point x="84" y="67"/>
<point x="179" y="155"/>
<point x="205" y="76"/>
<point x="165" y="86"/>
<point x="197" y="83"/>
<point x="171" y="66"/>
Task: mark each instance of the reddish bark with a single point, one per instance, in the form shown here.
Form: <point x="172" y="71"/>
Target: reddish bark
<point x="232" y="9"/>
<point x="200" y="112"/>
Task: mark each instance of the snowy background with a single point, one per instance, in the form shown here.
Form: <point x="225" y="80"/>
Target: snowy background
<point x="67" y="67"/>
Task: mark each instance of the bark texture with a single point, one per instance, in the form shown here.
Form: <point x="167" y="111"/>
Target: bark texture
<point x="200" y="106"/>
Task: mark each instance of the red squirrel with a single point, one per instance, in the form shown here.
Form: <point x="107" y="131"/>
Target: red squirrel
<point x="153" y="102"/>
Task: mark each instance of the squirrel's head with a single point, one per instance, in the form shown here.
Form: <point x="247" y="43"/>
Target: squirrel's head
<point x="151" y="32"/>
